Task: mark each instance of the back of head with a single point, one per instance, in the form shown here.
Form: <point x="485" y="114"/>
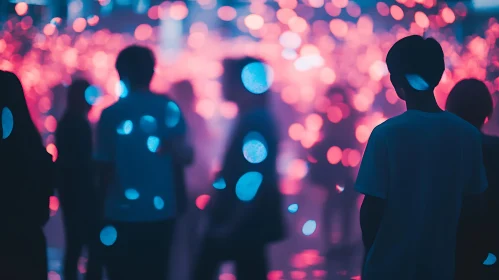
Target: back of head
<point x="183" y="91"/>
<point x="18" y="129"/>
<point x="76" y="102"/>
<point x="135" y="65"/>
<point x="237" y="81"/>
<point x="416" y="63"/>
<point x="470" y="99"/>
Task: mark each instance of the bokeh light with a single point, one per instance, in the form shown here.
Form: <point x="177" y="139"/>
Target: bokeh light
<point x="158" y="202"/>
<point x="219" y="184"/>
<point x="7" y="122"/>
<point x="153" y="143"/>
<point x="257" y="77"/>
<point x="132" y="194"/>
<point x="293" y="208"/>
<point x="172" y="114"/>
<point x="148" y="124"/>
<point x="92" y="94"/>
<point x="125" y="128"/>
<point x="309" y="227"/>
<point x="108" y="235"/>
<point x="247" y="186"/>
<point x="254" y="147"/>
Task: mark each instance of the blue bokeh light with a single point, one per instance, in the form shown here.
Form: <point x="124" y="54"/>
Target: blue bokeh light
<point x="148" y="124"/>
<point x="417" y="82"/>
<point x="121" y="90"/>
<point x="309" y="227"/>
<point x="159" y="203"/>
<point x="257" y="77"/>
<point x="92" y="94"/>
<point x="153" y="143"/>
<point x="254" y="147"/>
<point x="219" y="184"/>
<point x="108" y="235"/>
<point x="132" y="194"/>
<point x="293" y="208"/>
<point x="125" y="128"/>
<point x="491" y="259"/>
<point x="7" y="122"/>
<point x="172" y="114"/>
<point x="248" y="185"/>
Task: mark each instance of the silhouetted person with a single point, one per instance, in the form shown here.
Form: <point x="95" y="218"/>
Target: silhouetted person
<point x="245" y="211"/>
<point x="140" y="140"/>
<point x="478" y="234"/>
<point x="27" y="175"/>
<point x="415" y="173"/>
<point x="77" y="191"/>
<point x="337" y="177"/>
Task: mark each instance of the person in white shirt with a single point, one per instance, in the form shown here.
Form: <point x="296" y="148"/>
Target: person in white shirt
<point x="140" y="141"/>
<point x="415" y="172"/>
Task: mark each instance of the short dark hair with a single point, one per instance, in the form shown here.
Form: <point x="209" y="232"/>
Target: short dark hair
<point x="418" y="56"/>
<point x="470" y="99"/>
<point x="76" y="101"/>
<point x="135" y="64"/>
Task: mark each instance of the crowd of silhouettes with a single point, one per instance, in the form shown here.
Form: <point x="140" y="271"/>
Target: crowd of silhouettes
<point x="429" y="178"/>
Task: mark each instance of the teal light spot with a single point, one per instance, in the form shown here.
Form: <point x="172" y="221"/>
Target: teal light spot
<point x="247" y="186"/>
<point x="159" y="203"/>
<point x="7" y="122"/>
<point x="293" y="208"/>
<point x="132" y="194"/>
<point x="92" y="94"/>
<point x="108" y="235"/>
<point x="219" y="184"/>
<point x="257" y="77"/>
<point x="254" y="147"/>
<point x="172" y="114"/>
<point x="153" y="143"/>
<point x="417" y="82"/>
<point x="309" y="227"/>
<point x="491" y="259"/>
<point x="125" y="128"/>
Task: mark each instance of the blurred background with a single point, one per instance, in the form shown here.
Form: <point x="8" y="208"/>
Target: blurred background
<point x="329" y="85"/>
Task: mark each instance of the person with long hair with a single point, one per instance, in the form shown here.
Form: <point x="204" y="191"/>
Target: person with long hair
<point x="27" y="174"/>
<point x="245" y="213"/>
<point x="478" y="232"/>
<point x="77" y="192"/>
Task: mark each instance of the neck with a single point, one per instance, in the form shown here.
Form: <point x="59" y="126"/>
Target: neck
<point x="425" y="102"/>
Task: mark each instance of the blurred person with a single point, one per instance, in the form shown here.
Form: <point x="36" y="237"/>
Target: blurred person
<point x="140" y="140"/>
<point x="77" y="191"/>
<point x="415" y="173"/>
<point x="337" y="179"/>
<point x="478" y="234"/>
<point x="245" y="211"/>
<point x="27" y="174"/>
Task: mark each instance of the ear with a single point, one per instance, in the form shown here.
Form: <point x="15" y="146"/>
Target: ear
<point x="398" y="89"/>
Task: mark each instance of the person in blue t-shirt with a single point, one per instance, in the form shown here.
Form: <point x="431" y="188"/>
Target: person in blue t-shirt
<point x="141" y="142"/>
<point x="416" y="170"/>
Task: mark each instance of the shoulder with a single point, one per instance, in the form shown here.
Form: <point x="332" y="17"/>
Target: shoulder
<point x="462" y="124"/>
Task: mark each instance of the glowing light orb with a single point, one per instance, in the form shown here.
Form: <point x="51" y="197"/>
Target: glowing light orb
<point x="132" y="194"/>
<point x="172" y="114"/>
<point x="491" y="259"/>
<point x="202" y="201"/>
<point x="257" y="77"/>
<point x="219" y="184"/>
<point x="54" y="203"/>
<point x="417" y="82"/>
<point x="108" y="235"/>
<point x="309" y="227"/>
<point x="125" y="128"/>
<point x="7" y="122"/>
<point x="293" y="208"/>
<point x="148" y="124"/>
<point x="121" y="90"/>
<point x="92" y="94"/>
<point x="159" y="203"/>
<point x="290" y="40"/>
<point x="153" y="143"/>
<point x="254" y="147"/>
<point x="248" y="185"/>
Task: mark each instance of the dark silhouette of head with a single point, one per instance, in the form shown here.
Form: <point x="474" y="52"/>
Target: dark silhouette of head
<point x="183" y="92"/>
<point x="470" y="99"/>
<point x="24" y="137"/>
<point x="76" y="102"/>
<point x="135" y="66"/>
<point x="232" y="85"/>
<point x="416" y="66"/>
